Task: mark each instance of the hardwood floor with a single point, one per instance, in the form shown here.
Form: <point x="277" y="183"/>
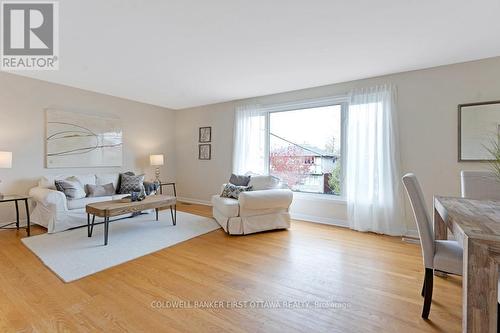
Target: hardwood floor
<point x="378" y="278"/>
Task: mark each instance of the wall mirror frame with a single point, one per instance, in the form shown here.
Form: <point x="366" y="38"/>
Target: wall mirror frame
<point x="478" y="125"/>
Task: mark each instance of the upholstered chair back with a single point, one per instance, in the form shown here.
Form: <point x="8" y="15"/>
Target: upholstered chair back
<point x="422" y="218"/>
<point x="480" y="185"/>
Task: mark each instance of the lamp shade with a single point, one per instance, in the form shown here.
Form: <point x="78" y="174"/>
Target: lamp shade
<point x="156" y="159"/>
<point x="5" y="159"/>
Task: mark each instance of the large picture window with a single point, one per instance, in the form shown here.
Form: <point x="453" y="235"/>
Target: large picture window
<point x="306" y="146"/>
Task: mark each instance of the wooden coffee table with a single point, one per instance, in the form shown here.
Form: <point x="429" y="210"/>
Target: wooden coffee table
<point x="107" y="209"/>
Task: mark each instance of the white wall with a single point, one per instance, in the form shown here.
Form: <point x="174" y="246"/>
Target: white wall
<point x="146" y="128"/>
<point x="427" y="107"/>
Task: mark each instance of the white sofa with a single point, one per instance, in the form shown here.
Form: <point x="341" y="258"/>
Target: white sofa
<point x="266" y="207"/>
<point x="55" y="212"/>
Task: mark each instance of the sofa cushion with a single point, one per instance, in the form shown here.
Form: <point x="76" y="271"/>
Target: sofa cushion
<point x="100" y="190"/>
<point x="106" y="178"/>
<point x="239" y="180"/>
<point x="81" y="203"/>
<point x="264" y="183"/>
<point x="86" y="179"/>
<point x="227" y="206"/>
<point x="49" y="180"/>
<point x="71" y="187"/>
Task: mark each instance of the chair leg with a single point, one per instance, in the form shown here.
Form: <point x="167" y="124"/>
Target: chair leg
<point x="428" y="283"/>
<point x="498" y="318"/>
<point x="423" y="289"/>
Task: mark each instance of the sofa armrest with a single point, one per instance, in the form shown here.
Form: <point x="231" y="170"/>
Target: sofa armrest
<point x="266" y="199"/>
<point x="48" y="198"/>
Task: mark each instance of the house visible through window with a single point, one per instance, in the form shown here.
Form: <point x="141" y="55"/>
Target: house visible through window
<point x="305" y="148"/>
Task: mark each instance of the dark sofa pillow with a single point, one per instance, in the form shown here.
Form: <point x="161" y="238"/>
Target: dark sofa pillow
<point x="239" y="180"/>
<point x="119" y="185"/>
<point x="151" y="187"/>
<point x="131" y="184"/>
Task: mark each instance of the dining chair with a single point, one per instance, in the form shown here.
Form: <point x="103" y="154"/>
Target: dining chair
<point x="440" y="255"/>
<point x="480" y="185"/>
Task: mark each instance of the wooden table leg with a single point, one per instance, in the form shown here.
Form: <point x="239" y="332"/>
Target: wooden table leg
<point x="440" y="229"/>
<point x="440" y="233"/>
<point x="479" y="288"/>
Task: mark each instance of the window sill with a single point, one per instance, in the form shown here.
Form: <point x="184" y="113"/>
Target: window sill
<point x="320" y="197"/>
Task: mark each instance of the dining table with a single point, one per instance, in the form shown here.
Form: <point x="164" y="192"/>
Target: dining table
<point x="475" y="224"/>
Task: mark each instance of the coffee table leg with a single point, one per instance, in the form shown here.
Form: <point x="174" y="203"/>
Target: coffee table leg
<point x="92" y="226"/>
<point x="106" y="229"/>
<point x="174" y="217"/>
<point x="28" y="222"/>
<point x="156" y="210"/>
<point x="88" y="224"/>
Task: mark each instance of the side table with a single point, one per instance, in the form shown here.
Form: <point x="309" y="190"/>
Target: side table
<point x="16" y="199"/>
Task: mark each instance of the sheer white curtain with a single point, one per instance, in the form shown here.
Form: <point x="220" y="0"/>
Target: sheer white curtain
<point x="250" y="136"/>
<point x="373" y="190"/>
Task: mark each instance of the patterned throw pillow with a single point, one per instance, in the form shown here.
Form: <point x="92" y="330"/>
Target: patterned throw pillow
<point x="233" y="191"/>
<point x="71" y="187"/>
<point x="131" y="184"/>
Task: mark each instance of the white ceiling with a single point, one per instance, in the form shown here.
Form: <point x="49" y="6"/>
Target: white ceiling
<point x="184" y="53"/>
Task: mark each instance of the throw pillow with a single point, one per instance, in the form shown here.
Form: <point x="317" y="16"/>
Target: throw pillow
<point x="119" y="185"/>
<point x="151" y="187"/>
<point x="71" y="187"/>
<point x="131" y="184"/>
<point x="233" y="191"/>
<point x="239" y="180"/>
<point x="100" y="190"/>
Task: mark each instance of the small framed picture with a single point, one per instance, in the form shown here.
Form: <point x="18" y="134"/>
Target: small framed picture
<point x="205" y="134"/>
<point x="205" y="152"/>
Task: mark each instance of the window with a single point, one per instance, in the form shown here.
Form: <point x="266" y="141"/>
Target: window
<point x="305" y="148"/>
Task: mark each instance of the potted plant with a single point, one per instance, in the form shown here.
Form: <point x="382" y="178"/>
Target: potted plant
<point x="494" y="150"/>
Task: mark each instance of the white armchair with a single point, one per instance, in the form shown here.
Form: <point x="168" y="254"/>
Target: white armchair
<point x="266" y="207"/>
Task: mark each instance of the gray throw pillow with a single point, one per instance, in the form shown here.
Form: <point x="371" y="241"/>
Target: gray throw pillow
<point x="239" y="180"/>
<point x="71" y="187"/>
<point x="131" y="184"/>
<point x="233" y="191"/>
<point x="119" y="185"/>
<point x="100" y="190"/>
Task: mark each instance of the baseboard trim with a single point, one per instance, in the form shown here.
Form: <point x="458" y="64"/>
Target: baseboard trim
<point x="194" y="201"/>
<point x="412" y="234"/>
<point x="320" y="220"/>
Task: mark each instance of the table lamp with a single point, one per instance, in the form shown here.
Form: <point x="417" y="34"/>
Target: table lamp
<point x="5" y="163"/>
<point x="157" y="161"/>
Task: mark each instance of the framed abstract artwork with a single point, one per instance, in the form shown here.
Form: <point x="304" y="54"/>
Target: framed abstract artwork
<point x="205" y="152"/>
<point x="478" y="130"/>
<point x="205" y="134"/>
<point x="82" y="140"/>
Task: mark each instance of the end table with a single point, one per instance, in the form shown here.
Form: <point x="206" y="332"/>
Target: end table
<point x="16" y="199"/>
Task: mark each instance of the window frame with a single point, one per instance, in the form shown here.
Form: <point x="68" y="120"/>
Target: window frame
<point x="309" y="104"/>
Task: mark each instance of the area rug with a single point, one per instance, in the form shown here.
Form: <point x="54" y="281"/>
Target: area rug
<point x="72" y="255"/>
